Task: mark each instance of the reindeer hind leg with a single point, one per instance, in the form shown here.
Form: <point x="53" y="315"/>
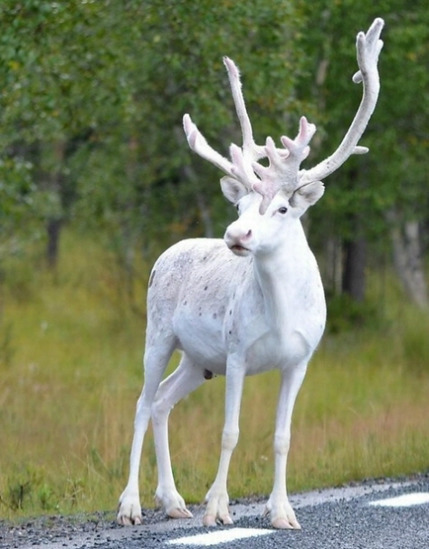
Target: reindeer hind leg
<point x="185" y="379"/>
<point x="155" y="361"/>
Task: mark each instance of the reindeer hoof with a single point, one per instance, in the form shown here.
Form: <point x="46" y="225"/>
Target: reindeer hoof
<point x="179" y="513"/>
<point x="226" y="520"/>
<point x="282" y="523"/>
<point x="212" y="520"/>
<point x="209" y="521"/>
<point x="125" y="520"/>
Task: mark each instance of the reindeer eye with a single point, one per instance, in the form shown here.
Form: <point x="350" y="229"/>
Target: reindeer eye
<point x="282" y="210"/>
<point x="237" y="207"/>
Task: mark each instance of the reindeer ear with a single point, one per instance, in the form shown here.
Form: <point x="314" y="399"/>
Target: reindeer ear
<point x="232" y="189"/>
<point x="307" y="195"/>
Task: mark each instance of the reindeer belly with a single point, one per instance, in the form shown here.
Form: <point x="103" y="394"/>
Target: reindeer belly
<point x="201" y="338"/>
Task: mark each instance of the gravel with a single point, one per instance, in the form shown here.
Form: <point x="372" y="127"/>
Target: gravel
<point x="67" y="531"/>
<point x="330" y="519"/>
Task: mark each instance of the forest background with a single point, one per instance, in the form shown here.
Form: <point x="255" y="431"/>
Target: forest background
<point x="96" y="179"/>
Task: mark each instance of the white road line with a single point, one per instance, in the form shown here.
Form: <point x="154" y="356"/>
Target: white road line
<point x="406" y="500"/>
<point x="220" y="536"/>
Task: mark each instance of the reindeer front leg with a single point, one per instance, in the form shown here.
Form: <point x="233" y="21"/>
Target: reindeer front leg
<point x="217" y="497"/>
<point x="278" y="506"/>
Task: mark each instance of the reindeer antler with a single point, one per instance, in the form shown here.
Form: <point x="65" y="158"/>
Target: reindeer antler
<point x="242" y="158"/>
<point x="243" y="166"/>
<point x="283" y="169"/>
<point x="250" y="149"/>
<point x="368" y="48"/>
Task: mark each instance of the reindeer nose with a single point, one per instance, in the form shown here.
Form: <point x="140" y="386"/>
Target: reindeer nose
<point x="235" y="236"/>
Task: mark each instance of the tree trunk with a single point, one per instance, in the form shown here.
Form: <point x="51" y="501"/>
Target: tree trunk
<point x="53" y="229"/>
<point x="333" y="268"/>
<point x="200" y="195"/>
<point x="204" y="214"/>
<point x="407" y="259"/>
<point x="55" y="221"/>
<point x="353" y="281"/>
<point x="203" y="208"/>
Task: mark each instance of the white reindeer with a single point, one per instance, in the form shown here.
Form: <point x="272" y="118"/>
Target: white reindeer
<point x="243" y="305"/>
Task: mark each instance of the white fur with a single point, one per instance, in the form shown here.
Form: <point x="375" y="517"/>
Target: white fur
<point x="232" y="316"/>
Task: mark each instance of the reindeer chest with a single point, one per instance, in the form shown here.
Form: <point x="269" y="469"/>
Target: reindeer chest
<point x="279" y="329"/>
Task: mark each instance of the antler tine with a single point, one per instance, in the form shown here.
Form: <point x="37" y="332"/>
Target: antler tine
<point x="284" y="163"/>
<point x="368" y="48"/>
<point x="241" y="166"/>
<point x="250" y="149"/>
<point x="282" y="171"/>
<point x="198" y="144"/>
<point x="299" y="147"/>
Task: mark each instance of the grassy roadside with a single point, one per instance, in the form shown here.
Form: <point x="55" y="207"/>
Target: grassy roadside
<point x="70" y="374"/>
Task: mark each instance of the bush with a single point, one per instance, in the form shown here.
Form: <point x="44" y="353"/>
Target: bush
<point x="345" y="314"/>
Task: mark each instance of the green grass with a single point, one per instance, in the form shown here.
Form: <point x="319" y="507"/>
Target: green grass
<point x="70" y="374"/>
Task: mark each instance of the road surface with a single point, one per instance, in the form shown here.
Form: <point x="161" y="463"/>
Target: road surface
<point x="373" y="515"/>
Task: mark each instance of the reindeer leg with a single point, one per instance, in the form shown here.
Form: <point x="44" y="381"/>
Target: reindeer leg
<point x="282" y="514"/>
<point x="182" y="381"/>
<point x="156" y="360"/>
<point x="217" y="497"/>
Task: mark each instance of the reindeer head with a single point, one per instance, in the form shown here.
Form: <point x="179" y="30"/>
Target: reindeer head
<point x="282" y="184"/>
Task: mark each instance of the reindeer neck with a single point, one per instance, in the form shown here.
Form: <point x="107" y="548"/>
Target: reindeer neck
<point x="284" y="275"/>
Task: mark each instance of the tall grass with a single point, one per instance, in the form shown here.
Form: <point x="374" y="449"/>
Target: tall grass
<point x="70" y="374"/>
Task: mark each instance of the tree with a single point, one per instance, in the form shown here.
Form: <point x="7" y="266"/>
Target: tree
<point x="44" y="81"/>
<point x="367" y="188"/>
<point x="94" y="94"/>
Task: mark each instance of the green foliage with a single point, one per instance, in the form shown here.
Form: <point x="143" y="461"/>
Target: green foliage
<point x="415" y="342"/>
<point x="26" y="488"/>
<point x="360" y="194"/>
<point x="94" y="95"/>
<point x="6" y="347"/>
<point x="346" y="314"/>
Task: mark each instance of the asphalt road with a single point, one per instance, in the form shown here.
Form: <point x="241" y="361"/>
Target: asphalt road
<point x="340" y="518"/>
